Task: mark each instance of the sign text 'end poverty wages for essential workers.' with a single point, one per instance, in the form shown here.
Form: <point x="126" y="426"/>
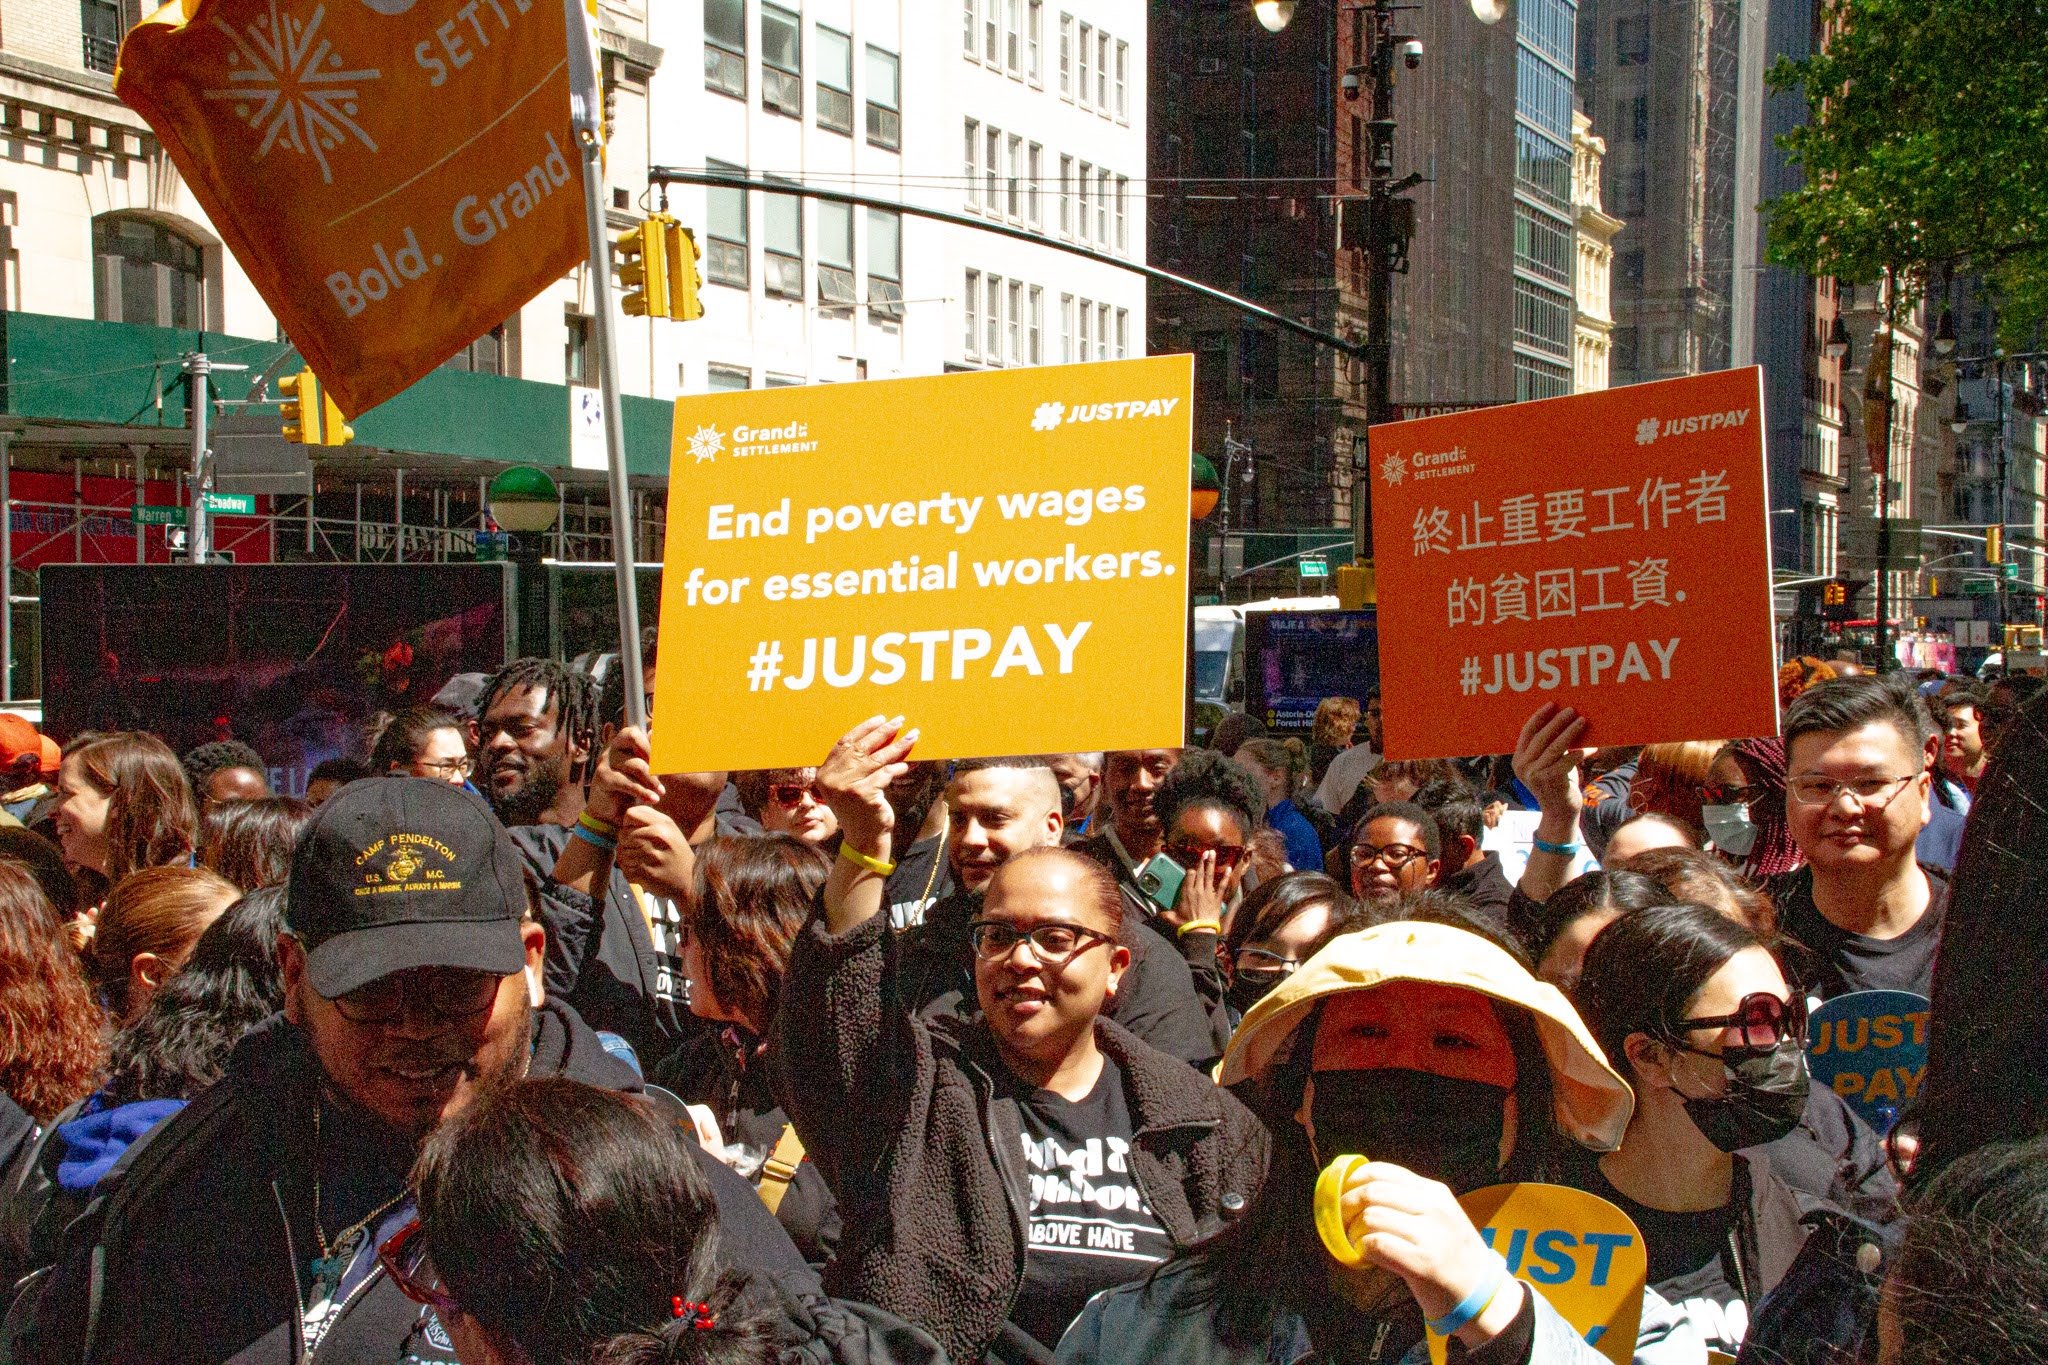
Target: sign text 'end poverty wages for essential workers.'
<point x="1609" y="552"/>
<point x="396" y="177"/>
<point x="998" y="557"/>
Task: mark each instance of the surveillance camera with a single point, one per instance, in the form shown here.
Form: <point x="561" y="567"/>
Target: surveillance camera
<point x="1411" y="53"/>
<point x="1350" y="85"/>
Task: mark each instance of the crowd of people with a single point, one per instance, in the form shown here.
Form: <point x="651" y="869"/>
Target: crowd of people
<point x="496" y="1045"/>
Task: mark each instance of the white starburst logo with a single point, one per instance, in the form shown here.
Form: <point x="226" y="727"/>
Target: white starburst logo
<point x="706" y="442"/>
<point x="1646" y="431"/>
<point x="289" y="84"/>
<point x="1393" y="469"/>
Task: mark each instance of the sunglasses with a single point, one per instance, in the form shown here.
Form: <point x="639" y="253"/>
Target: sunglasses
<point x="1763" y="1021"/>
<point x="791" y="794"/>
<point x="392" y="1256"/>
<point x="1190" y="855"/>
<point x="1730" y="796"/>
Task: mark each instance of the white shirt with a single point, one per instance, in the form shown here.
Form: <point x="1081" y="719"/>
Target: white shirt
<point x="1345" y="772"/>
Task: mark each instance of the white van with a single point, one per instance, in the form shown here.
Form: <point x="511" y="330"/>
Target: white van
<point x="1219" y="644"/>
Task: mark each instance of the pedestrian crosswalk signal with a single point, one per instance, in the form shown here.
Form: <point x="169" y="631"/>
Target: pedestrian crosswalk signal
<point x="1836" y="595"/>
<point x="684" y="278"/>
<point x="311" y="418"/>
<point x="643" y="269"/>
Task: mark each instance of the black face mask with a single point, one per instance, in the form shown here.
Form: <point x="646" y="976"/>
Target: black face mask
<point x="1438" y="1127"/>
<point x="1765" y="1098"/>
<point x="1249" y="988"/>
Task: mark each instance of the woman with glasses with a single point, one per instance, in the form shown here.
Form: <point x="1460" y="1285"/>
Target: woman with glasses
<point x="1743" y="808"/>
<point x="1278" y="927"/>
<point x="785" y="801"/>
<point x="1396" y="850"/>
<point x="1695" y="1010"/>
<point x="423" y="741"/>
<point x="993" y="1170"/>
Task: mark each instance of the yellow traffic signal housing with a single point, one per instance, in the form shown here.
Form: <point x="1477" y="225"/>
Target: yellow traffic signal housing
<point x="1836" y="595"/>
<point x="1994" y="544"/>
<point x="310" y="417"/>
<point x="643" y="269"/>
<point x="684" y="278"/>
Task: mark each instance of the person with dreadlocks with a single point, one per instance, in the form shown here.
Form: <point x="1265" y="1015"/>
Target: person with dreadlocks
<point x="535" y="740"/>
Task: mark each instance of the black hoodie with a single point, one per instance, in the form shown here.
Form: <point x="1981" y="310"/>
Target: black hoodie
<point x="196" y="1247"/>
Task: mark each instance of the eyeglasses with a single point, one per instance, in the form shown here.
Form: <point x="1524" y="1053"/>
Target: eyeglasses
<point x="1763" y="1020"/>
<point x="791" y="794"/>
<point x="445" y="992"/>
<point x="392" y="1256"/>
<point x="1394" y="856"/>
<point x="1257" y="964"/>
<point x="1872" y="793"/>
<point x="995" y="940"/>
<point x="1739" y="795"/>
<point x="447" y="767"/>
<point x="1190" y="855"/>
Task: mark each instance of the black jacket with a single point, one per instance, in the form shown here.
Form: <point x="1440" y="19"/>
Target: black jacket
<point x="195" y="1248"/>
<point x="1485" y="887"/>
<point x="601" y="960"/>
<point x="903" y="1114"/>
<point x="1157" y="999"/>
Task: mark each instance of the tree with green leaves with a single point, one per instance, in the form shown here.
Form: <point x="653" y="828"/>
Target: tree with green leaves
<point x="1925" y="152"/>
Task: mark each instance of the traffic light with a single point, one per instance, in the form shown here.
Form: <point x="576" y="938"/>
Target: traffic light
<point x="643" y="269"/>
<point x="1994" y="544"/>
<point x="311" y="418"/>
<point x="1836" y="595"/>
<point x="684" y="278"/>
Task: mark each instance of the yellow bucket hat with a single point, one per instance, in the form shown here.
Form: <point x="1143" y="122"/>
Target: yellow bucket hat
<point x="1593" y="1102"/>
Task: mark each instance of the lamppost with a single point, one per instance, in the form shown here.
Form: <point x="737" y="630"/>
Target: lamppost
<point x="525" y="502"/>
<point x="1389" y="217"/>
<point x="1232" y="448"/>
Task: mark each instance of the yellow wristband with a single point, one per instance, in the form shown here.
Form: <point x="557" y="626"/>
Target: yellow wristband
<point x="1336" y="1238"/>
<point x="597" y="824"/>
<point x="859" y="859"/>
<point x="1214" y="926"/>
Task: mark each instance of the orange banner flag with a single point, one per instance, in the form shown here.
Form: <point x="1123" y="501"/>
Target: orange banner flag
<point x="397" y="178"/>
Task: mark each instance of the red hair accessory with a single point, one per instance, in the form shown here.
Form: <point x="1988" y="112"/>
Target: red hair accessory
<point x="698" y="1313"/>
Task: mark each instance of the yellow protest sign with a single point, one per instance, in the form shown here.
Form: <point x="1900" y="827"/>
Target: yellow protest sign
<point x="998" y="556"/>
<point x="395" y="177"/>
<point x="1580" y="1252"/>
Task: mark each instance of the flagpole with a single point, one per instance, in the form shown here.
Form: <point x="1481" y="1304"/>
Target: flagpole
<point x="586" y="107"/>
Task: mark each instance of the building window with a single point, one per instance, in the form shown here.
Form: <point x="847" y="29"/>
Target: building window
<point x="1084" y="351"/>
<point x="101" y="20"/>
<point x="1066" y="329"/>
<point x="1016" y="179"/>
<point x="1123" y="74"/>
<point x="973" y="313"/>
<point x="1034" y="41"/>
<point x="1013" y="37"/>
<point x="783" y="227"/>
<point x="576" y="348"/>
<point x="1123" y="333"/>
<point x="1543" y="319"/>
<point x="782" y="68"/>
<point x="1066" y="56"/>
<point x="725" y="253"/>
<point x="1035" y="171"/>
<point x="973" y="163"/>
<point x="1102" y="206"/>
<point x="1016" y="322"/>
<point x="495" y="352"/>
<point x="992" y="349"/>
<point x="885" y="266"/>
<point x="1102" y="73"/>
<point x="725" y="47"/>
<point x="835" y="81"/>
<point x="885" y="122"/>
<point x="1087" y="50"/>
<point x="147" y="273"/>
<point x="991" y="21"/>
<point x="967" y="36"/>
<point x="1037" y="352"/>
<point x="992" y="168"/>
<point x="1543" y="245"/>
<point x="1123" y="193"/>
<point x="1632" y="41"/>
<point x="1081" y="223"/>
<point x="1102" y="331"/>
<point x="1066" y="196"/>
<point x="835" y="258"/>
<point x="727" y="378"/>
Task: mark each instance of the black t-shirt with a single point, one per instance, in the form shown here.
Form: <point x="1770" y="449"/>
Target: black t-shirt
<point x="1090" y="1226"/>
<point x="1841" y="962"/>
<point x="1688" y="1261"/>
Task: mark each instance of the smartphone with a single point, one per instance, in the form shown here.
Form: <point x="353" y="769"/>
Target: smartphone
<point x="1159" y="877"/>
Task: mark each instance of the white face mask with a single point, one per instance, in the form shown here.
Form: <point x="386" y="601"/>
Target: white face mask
<point x="1730" y="828"/>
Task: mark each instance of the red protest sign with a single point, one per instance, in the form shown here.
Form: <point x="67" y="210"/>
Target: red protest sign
<point x="1609" y="551"/>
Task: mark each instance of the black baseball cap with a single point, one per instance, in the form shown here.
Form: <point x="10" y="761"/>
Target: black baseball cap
<point x="395" y="873"/>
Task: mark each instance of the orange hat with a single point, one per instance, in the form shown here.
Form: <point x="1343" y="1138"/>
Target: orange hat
<point x="18" y="737"/>
<point x="53" y="757"/>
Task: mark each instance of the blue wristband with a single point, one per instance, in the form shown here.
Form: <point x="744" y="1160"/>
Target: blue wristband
<point x="1474" y="1303"/>
<point x="594" y="839"/>
<point x="1561" y="850"/>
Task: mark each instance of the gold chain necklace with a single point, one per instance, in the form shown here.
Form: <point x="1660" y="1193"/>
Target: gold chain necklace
<point x="328" y="1267"/>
